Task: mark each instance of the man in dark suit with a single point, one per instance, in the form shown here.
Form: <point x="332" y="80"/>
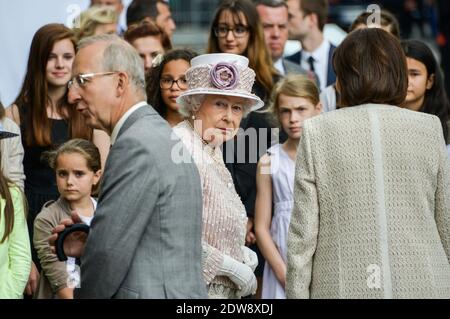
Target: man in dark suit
<point x="274" y="18"/>
<point x="306" y="22"/>
<point x="145" y="238"/>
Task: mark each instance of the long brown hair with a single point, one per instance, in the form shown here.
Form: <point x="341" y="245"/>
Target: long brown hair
<point x="259" y="58"/>
<point x="33" y="97"/>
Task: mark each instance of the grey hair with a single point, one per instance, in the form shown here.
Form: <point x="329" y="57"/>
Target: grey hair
<point x="195" y="102"/>
<point x="119" y="55"/>
<point x="187" y="109"/>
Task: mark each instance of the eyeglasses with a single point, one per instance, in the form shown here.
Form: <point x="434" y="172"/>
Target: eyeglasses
<point x="83" y="79"/>
<point x="167" y="83"/>
<point x="238" y="32"/>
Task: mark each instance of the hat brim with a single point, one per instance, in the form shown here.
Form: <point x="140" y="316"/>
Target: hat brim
<point x="5" y="134"/>
<point x="255" y="102"/>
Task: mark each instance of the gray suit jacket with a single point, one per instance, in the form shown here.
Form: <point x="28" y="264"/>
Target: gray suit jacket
<point x="294" y="68"/>
<point x="145" y="239"/>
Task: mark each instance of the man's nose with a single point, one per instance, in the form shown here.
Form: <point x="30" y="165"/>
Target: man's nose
<point x="172" y="25"/>
<point x="275" y="32"/>
<point x="73" y="96"/>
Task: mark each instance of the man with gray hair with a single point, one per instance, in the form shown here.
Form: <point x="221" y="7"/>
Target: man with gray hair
<point x="145" y="238"/>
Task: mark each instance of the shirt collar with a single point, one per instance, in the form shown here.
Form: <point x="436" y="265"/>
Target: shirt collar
<point x="279" y="66"/>
<point x="319" y="53"/>
<point x="122" y="120"/>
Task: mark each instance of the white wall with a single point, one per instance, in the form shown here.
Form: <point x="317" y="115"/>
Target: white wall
<point x="19" y="20"/>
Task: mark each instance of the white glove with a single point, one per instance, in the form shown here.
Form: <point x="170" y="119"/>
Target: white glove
<point x="239" y="273"/>
<point x="250" y="257"/>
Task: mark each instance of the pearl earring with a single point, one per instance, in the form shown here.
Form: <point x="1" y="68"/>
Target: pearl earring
<point x="193" y="117"/>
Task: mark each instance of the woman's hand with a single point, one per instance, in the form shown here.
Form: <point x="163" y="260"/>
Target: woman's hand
<point x="250" y="237"/>
<point x="239" y="273"/>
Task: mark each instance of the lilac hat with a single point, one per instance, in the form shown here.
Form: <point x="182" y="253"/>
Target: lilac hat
<point x="221" y="74"/>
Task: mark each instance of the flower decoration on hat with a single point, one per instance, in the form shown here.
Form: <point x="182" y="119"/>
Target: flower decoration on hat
<point x="224" y="76"/>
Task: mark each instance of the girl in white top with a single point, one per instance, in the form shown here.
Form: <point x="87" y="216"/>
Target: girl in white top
<point x="294" y="99"/>
<point x="78" y="169"/>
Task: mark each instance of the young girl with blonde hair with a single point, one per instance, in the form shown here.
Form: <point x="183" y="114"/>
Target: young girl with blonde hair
<point x="294" y="99"/>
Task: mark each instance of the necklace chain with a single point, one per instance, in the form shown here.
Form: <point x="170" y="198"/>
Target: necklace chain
<point x="221" y="165"/>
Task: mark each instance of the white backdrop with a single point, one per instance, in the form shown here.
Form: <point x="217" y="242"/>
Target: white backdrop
<point x="19" y="20"/>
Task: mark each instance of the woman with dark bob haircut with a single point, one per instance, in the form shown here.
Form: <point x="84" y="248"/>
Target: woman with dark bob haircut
<point x="371" y="216"/>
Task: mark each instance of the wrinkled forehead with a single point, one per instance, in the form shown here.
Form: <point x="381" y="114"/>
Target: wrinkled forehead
<point x="234" y="100"/>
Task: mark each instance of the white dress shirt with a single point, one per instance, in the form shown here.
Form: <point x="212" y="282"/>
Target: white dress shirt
<point x="122" y="120"/>
<point x="320" y="56"/>
<point x="279" y="66"/>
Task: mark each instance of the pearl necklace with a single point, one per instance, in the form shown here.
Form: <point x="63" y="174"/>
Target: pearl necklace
<point x="225" y="174"/>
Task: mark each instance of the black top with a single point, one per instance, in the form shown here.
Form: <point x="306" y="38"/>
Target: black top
<point x="243" y="168"/>
<point x="40" y="178"/>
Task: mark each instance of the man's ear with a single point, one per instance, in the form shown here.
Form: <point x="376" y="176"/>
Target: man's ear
<point x="122" y="83"/>
<point x="319" y="108"/>
<point x="314" y="18"/>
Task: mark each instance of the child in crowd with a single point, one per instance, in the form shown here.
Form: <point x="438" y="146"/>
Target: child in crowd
<point x="166" y="83"/>
<point x="294" y="99"/>
<point x="78" y="169"/>
<point x="426" y="91"/>
<point x="15" y="255"/>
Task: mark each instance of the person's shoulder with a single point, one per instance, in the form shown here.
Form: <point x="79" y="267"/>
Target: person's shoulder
<point x="10" y="126"/>
<point x="12" y="113"/>
<point x="52" y="211"/>
<point x="294" y="68"/>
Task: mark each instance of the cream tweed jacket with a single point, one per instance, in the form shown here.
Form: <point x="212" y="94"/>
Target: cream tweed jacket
<point x="12" y="154"/>
<point x="371" y="215"/>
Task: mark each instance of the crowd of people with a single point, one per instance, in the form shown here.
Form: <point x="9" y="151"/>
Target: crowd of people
<point x="238" y="173"/>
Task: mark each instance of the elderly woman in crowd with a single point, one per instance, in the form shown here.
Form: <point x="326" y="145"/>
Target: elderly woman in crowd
<point x="213" y="107"/>
<point x="371" y="215"/>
